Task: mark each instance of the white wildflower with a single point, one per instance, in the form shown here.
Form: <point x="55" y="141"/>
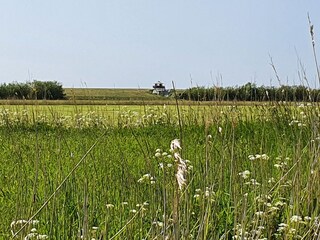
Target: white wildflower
<point x="259" y="213"/>
<point x="292" y="231"/>
<point x="34" y="222"/>
<point x="158" y="223"/>
<point x="295" y="218"/>
<point x="279" y="204"/>
<point x="264" y="156"/>
<point x="307" y="218"/>
<point x="196" y="196"/>
<point x="245" y="174"/>
<point x="21" y="222"/>
<point x="109" y="205"/>
<point x="207" y="193"/>
<point x="277" y="165"/>
<point x="273" y="209"/>
<point x="43" y="236"/>
<point x="271" y="180"/>
<point x="146" y="177"/>
<point x="30" y="236"/>
<point x="258" y="156"/>
<point x="282" y="227"/>
<point x="18" y="222"/>
<point x="253" y="182"/>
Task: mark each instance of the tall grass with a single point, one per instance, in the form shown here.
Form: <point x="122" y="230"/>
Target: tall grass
<point x="253" y="173"/>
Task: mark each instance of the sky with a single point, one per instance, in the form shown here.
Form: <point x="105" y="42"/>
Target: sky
<point x="135" y="43"/>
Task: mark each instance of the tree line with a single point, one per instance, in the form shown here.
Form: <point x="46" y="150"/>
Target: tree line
<point x="51" y="90"/>
<point x="251" y="92"/>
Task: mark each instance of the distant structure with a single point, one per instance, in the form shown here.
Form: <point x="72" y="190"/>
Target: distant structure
<point x="160" y="89"/>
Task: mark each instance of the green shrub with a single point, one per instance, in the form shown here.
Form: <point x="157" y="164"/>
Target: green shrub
<point x="250" y="92"/>
<point x="51" y="90"/>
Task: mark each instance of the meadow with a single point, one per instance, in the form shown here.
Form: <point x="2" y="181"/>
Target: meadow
<point x="111" y="172"/>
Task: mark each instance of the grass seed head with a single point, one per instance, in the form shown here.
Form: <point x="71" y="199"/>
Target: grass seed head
<point x="175" y="145"/>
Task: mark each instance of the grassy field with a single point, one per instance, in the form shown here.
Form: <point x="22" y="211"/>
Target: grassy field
<point x="90" y="115"/>
<point x="112" y="94"/>
<point x="108" y="172"/>
<point x="102" y="96"/>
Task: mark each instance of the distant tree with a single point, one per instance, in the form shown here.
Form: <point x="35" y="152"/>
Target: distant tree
<point x="50" y="90"/>
<point x="32" y="90"/>
<point x="4" y="91"/>
<point x="250" y="92"/>
<point x="22" y="90"/>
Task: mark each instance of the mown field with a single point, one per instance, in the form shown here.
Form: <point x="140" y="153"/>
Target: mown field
<point x="101" y="96"/>
<point x="108" y="171"/>
<point x="110" y="94"/>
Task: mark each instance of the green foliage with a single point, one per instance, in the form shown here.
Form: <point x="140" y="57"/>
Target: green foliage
<point x="255" y="173"/>
<point x="250" y="92"/>
<point x="50" y="90"/>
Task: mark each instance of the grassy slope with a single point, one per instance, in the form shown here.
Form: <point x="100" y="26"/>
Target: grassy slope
<point x="100" y="96"/>
<point x="110" y="94"/>
<point x="116" y="96"/>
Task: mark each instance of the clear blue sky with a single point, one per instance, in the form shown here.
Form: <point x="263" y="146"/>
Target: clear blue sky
<point x="134" y="43"/>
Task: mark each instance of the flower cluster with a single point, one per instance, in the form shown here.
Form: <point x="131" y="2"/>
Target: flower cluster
<point x="258" y="156"/>
<point x="17" y="224"/>
<point x="147" y="178"/>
